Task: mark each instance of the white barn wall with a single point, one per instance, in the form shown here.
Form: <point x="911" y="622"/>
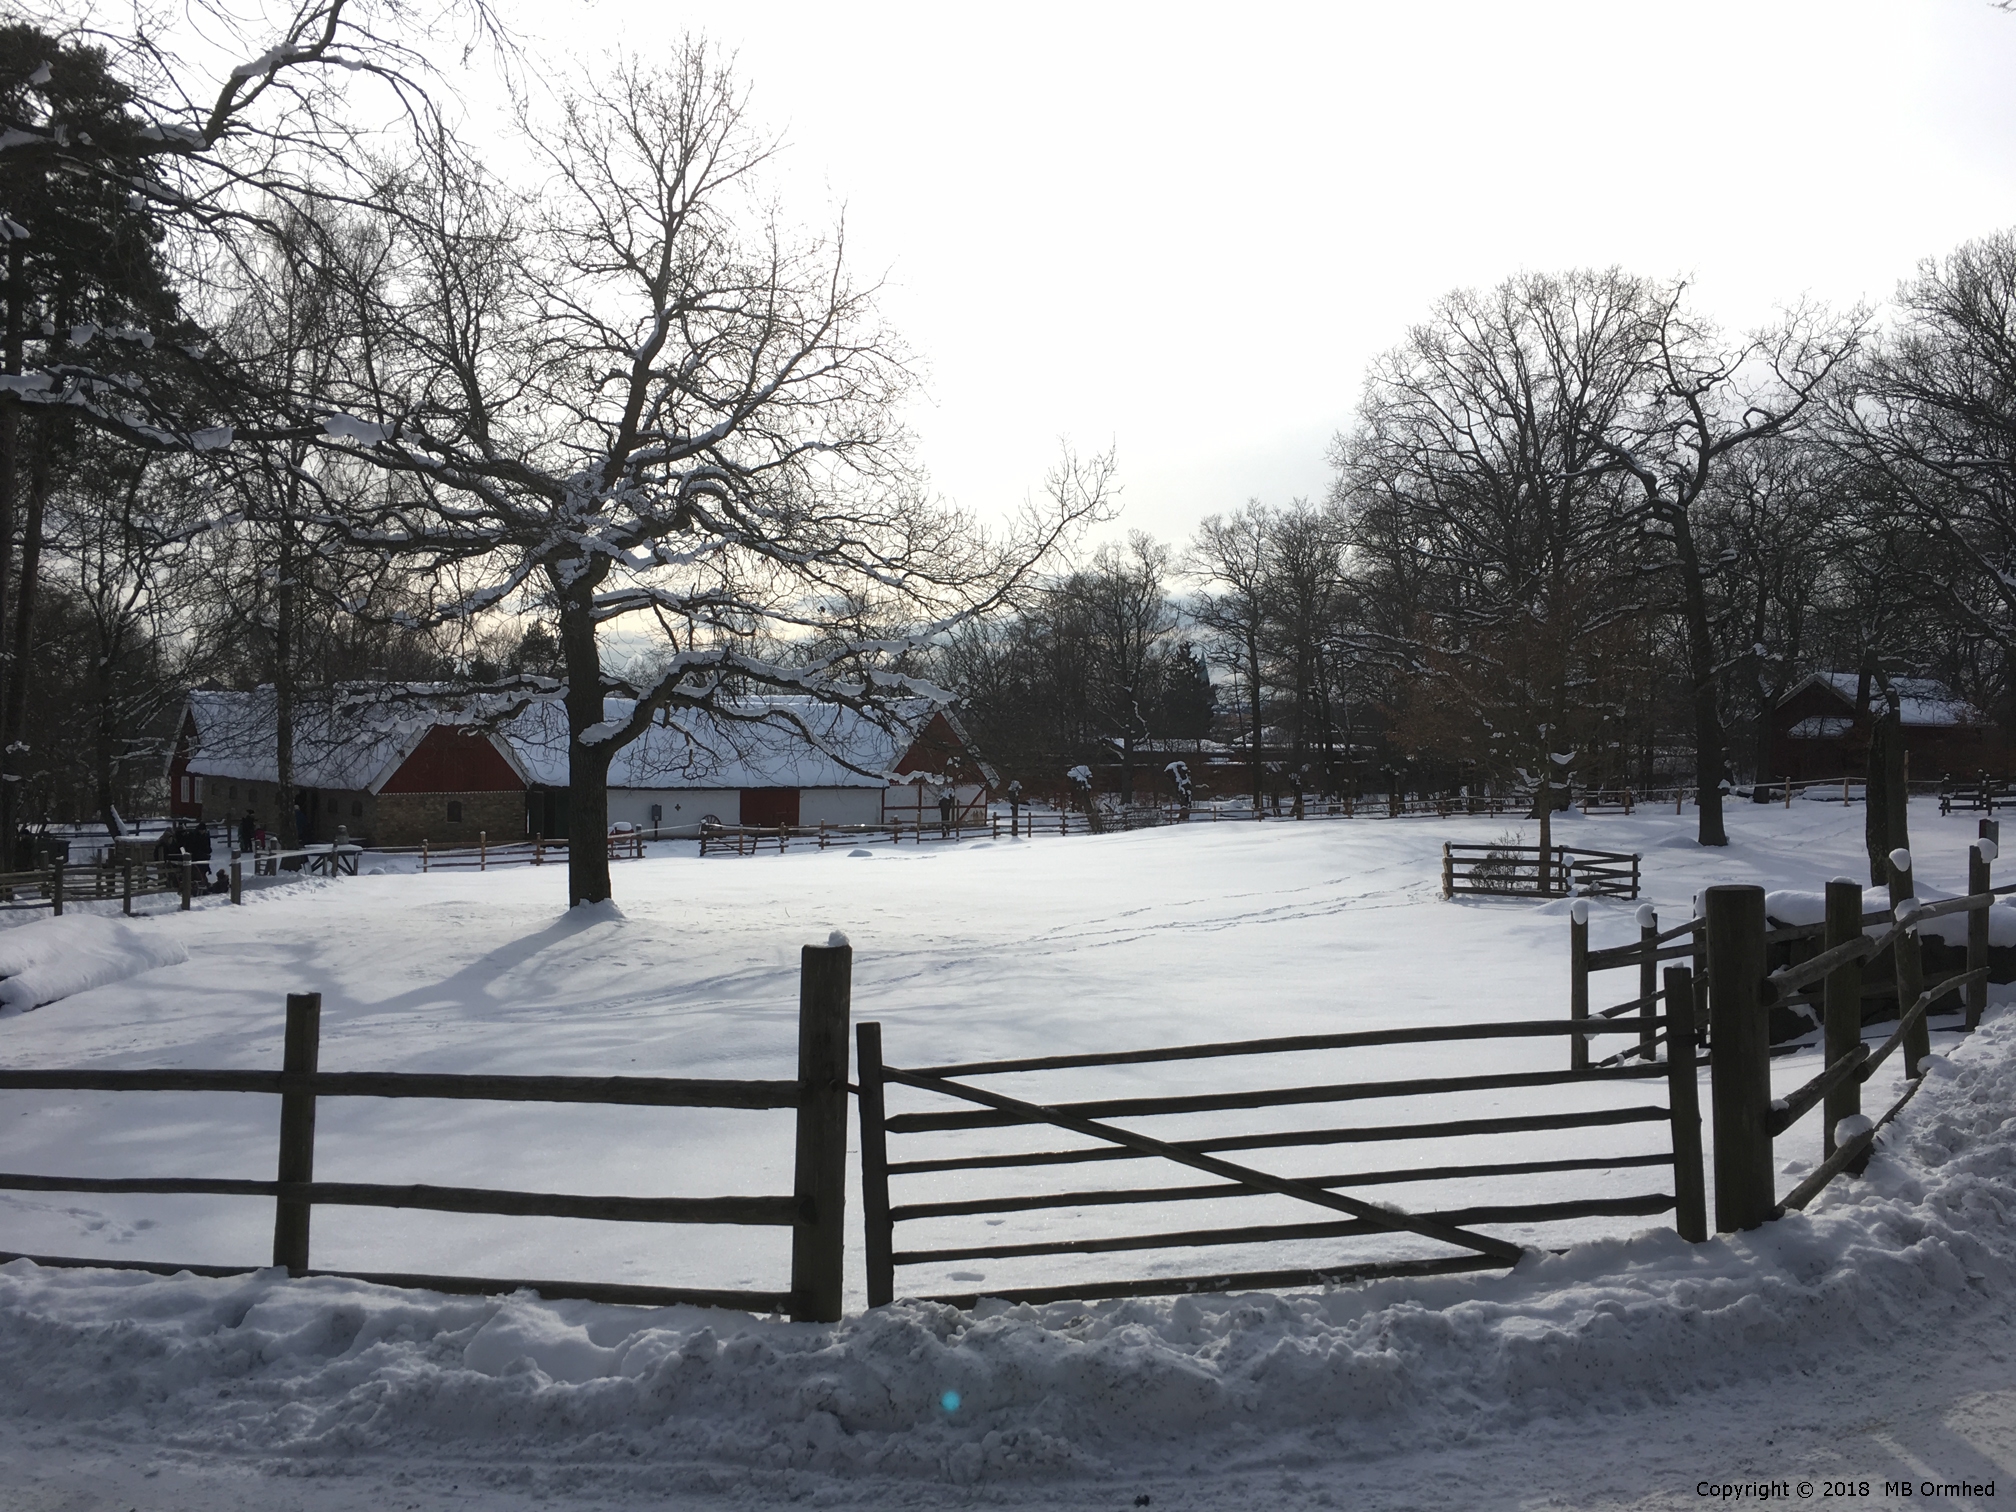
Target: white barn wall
<point x="684" y="807"/>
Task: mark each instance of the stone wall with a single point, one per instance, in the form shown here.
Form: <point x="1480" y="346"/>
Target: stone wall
<point x="409" y="818"/>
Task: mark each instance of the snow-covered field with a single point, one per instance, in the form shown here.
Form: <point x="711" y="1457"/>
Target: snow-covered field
<point x="1629" y="1342"/>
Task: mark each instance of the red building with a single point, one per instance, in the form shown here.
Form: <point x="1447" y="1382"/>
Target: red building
<point x="1817" y="731"/>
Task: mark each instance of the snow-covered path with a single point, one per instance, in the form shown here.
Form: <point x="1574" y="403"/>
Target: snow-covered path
<point x="1619" y="1374"/>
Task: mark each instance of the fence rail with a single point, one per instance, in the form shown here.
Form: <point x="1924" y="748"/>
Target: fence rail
<point x="813" y="1211"/>
<point x="1347" y="1216"/>
<point x="1521" y="871"/>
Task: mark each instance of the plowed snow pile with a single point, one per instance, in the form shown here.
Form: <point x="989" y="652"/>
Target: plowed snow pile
<point x="53" y="958"/>
<point x="315" y="1369"/>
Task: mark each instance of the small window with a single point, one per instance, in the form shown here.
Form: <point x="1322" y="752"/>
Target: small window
<point x="454" y="812"/>
<point x="356" y="808"/>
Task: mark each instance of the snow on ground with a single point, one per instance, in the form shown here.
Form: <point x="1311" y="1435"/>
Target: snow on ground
<point x="981" y="950"/>
<point x="46" y="959"/>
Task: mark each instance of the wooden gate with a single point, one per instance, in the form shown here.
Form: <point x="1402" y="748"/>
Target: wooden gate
<point x="1459" y="1231"/>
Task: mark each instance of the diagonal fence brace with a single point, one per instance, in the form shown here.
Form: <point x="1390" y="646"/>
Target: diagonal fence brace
<point x="1428" y="1228"/>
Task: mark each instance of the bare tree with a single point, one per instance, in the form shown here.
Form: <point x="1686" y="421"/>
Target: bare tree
<point x="634" y="397"/>
<point x="1474" y="491"/>
<point x="1231" y="554"/>
<point x="1125" y="617"/>
<point x="1703" y="399"/>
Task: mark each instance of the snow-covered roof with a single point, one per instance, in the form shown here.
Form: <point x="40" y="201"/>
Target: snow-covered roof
<point x="756" y="743"/>
<point x="1925" y="701"/>
<point x="356" y="743"/>
<point x="352" y="743"/>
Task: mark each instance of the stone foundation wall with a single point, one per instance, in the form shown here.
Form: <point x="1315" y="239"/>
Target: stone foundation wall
<point x="409" y="818"/>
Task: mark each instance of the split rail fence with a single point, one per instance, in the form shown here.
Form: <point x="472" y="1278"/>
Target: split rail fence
<point x="813" y="1211"/>
<point x="1728" y="989"/>
<point x="1553" y="871"/>
<point x="51" y="887"/>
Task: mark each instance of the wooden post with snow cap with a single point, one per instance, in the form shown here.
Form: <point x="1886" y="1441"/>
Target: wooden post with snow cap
<point x="237" y="878"/>
<point x="1842" y="997"/>
<point x="1683" y="1101"/>
<point x="1578" y="981"/>
<point x="126" y="890"/>
<point x="1448" y="873"/>
<point x="1648" y="979"/>
<point x="297" y="1131"/>
<point x="1909" y="960"/>
<point x="1740" y="1078"/>
<point x="56" y="889"/>
<point x="1980" y="878"/>
<point x="818" y="1242"/>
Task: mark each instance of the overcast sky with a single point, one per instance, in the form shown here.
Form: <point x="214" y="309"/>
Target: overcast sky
<point x="1185" y="230"/>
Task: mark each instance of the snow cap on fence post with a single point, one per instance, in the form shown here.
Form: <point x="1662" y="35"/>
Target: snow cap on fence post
<point x="1986" y="849"/>
<point x="1647" y="916"/>
<point x="1579" y="910"/>
<point x="1901" y="859"/>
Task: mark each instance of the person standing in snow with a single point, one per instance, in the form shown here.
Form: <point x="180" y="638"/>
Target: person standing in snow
<point x="944" y="814"/>
<point x="248" y="827"/>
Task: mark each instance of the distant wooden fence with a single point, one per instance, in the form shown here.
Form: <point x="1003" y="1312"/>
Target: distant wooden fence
<point x="813" y="1210"/>
<point x="1527" y="871"/>
<point x="752" y="839"/>
<point x="1344" y="1214"/>
<point x="624" y="845"/>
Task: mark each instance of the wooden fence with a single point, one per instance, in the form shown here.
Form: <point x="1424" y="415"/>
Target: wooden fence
<point x="1344" y="1215"/>
<point x="1526" y="871"/>
<point x="1728" y="989"/>
<point x="52" y="887"/>
<point x="751" y="839"/>
<point x="813" y="1210"/>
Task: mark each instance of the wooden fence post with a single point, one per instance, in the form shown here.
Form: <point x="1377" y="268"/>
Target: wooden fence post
<point x="126" y="892"/>
<point x="188" y="881"/>
<point x="1683" y="1099"/>
<point x="1448" y="873"/>
<point x="1648" y="980"/>
<point x="56" y="888"/>
<point x="482" y="850"/>
<point x="1908" y="959"/>
<point x="1843" y="1000"/>
<point x="1740" y="1077"/>
<point x="237" y="878"/>
<point x="877" y="1229"/>
<point x="825" y="976"/>
<point x="1578" y="982"/>
<point x="1980" y="877"/>
<point x="423" y="853"/>
<point x="297" y="1131"/>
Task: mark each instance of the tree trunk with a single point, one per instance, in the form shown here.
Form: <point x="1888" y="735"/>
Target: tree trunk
<point x="1885" y="825"/>
<point x="587" y="764"/>
<point x="1253" y="690"/>
<point x="1709" y="755"/>
<point x="283" y="694"/>
<point x="14" y="714"/>
<point x="10" y="475"/>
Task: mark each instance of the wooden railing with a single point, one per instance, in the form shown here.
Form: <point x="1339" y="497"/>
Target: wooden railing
<point x="1525" y="871"/>
<point x="813" y="1211"/>
<point x="1345" y="1215"/>
<point x="52" y="887"/>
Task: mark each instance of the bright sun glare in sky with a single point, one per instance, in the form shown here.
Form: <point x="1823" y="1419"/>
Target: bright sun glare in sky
<point x="1184" y="231"/>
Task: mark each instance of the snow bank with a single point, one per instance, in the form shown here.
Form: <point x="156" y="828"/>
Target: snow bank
<point x="52" y="958"/>
<point x="330" y="1368"/>
<point x="1794" y="906"/>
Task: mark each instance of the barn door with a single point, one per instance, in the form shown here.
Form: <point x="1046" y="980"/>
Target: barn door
<point x="767" y="808"/>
